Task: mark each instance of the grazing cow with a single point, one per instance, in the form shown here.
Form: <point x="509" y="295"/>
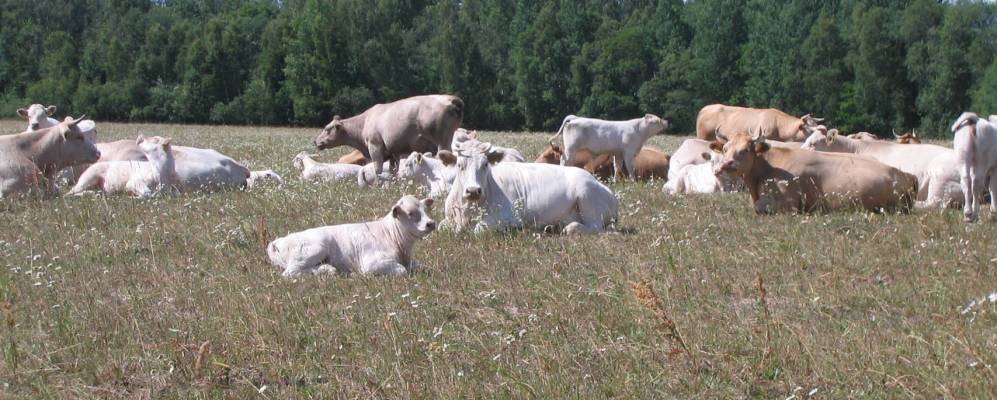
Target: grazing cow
<point x="652" y="163"/>
<point x="384" y="246"/>
<point x="392" y="131"/>
<point x="932" y="165"/>
<point x="907" y="138"/>
<point x="863" y="136"/>
<point x="258" y="178"/>
<point x="30" y="160"/>
<point x="312" y="170"/>
<point x="142" y="179"/>
<point x="622" y="139"/>
<point x="510" y="154"/>
<point x="777" y="124"/>
<point x="699" y="178"/>
<point x="787" y="180"/>
<point x="525" y="195"/>
<point x="975" y="146"/>
<point x="437" y="174"/>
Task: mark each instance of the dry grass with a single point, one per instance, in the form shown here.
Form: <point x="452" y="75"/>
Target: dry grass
<point x="173" y="297"/>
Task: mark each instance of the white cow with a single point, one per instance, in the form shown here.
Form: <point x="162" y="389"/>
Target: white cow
<point x="257" y="178"/>
<point x="436" y="174"/>
<point x="384" y="246"/>
<point x="622" y="139"/>
<point x="140" y="179"/>
<point x="976" y="156"/>
<point x="509" y="154"/>
<point x="932" y="165"/>
<point x="699" y="178"/>
<point x="39" y="117"/>
<point x="525" y="195"/>
<point x="324" y="172"/>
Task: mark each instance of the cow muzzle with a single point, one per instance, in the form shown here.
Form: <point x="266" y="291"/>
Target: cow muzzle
<point x="33" y="127"/>
<point x="472" y="193"/>
<point x="430" y="226"/>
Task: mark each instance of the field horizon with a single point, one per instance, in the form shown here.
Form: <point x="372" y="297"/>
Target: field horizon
<point x="173" y="297"/>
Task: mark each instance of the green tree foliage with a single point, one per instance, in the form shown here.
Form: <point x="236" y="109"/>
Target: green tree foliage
<point x="518" y="64"/>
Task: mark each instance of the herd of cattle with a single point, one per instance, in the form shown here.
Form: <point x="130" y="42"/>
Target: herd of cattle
<point x="785" y="163"/>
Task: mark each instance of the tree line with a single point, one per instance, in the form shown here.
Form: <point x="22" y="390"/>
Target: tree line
<point x="518" y="64"/>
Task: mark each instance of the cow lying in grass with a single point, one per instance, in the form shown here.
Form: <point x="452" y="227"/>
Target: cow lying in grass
<point x="140" y="179"/>
<point x="525" y="195"/>
<point x="791" y="180"/>
<point x="384" y="246"/>
<point x="435" y="174"/>
<point x="312" y="170"/>
<point x="30" y="160"/>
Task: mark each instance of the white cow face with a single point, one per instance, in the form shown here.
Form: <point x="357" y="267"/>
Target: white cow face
<point x="414" y="165"/>
<point x="299" y="160"/>
<point x="155" y="148"/>
<point x="820" y="139"/>
<point x="36" y="114"/>
<point x="655" y="124"/>
<point x="413" y="214"/>
<point x="474" y="160"/>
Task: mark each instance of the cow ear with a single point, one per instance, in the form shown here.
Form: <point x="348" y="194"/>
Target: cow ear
<point x="447" y="157"/>
<point x="831" y="135"/>
<point x="428" y="202"/>
<point x="140" y="139"/>
<point x="418" y="158"/>
<point x="495" y="156"/>
<point x="396" y="211"/>
<point x="50" y="110"/>
<point x="706" y="155"/>
<point x="22" y="112"/>
<point x="717" y="147"/>
<point x="761" y="147"/>
<point x="167" y="142"/>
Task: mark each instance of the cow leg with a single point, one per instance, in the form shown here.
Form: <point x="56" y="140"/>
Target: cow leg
<point x="629" y="163"/>
<point x="967" y="179"/>
<point x="993" y="194"/>
<point x="385" y="267"/>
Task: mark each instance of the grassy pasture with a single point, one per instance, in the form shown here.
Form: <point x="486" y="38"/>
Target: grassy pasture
<point x="173" y="298"/>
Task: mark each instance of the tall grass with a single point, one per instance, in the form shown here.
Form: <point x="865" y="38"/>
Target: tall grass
<point x="109" y="297"/>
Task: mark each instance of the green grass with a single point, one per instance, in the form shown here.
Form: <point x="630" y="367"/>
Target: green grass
<point x="114" y="297"/>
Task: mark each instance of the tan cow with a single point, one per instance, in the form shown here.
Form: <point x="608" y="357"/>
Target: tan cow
<point x="722" y="120"/>
<point x="907" y="138"/>
<point x="652" y="163"/>
<point x="788" y="180"/>
<point x="354" y="157"/>
<point x="30" y="160"/>
<point x="391" y="131"/>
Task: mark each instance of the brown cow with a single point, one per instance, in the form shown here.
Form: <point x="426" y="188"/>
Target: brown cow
<point x="354" y="157"/>
<point x="722" y="120"/>
<point x="787" y="180"/>
<point x="391" y="131"/>
<point x="907" y="138"/>
<point x="652" y="163"/>
<point x="29" y="160"/>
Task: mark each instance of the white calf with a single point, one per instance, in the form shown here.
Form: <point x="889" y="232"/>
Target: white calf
<point x="700" y="178"/>
<point x="384" y="246"/>
<point x="436" y="174"/>
<point x="137" y="178"/>
<point x="316" y="171"/>
<point x="525" y="195"/>
<point x="509" y="154"/>
<point x="976" y="155"/>
<point x="257" y="178"/>
<point x="619" y="138"/>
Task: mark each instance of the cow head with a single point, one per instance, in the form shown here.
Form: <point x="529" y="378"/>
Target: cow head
<point x="820" y="140"/>
<point x="37" y="115"/>
<point x="299" y="160"/>
<point x="807" y="125"/>
<point x="907" y="138"/>
<point x="863" y="136"/>
<point x="551" y="155"/>
<point x="474" y="160"/>
<point x="655" y="124"/>
<point x="413" y="215"/>
<point x="332" y="135"/>
<point x="155" y="148"/>
<point x="739" y="153"/>
<point x="462" y="135"/>
<point x="76" y="147"/>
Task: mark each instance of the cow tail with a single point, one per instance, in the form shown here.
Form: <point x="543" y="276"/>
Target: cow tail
<point x="560" y="130"/>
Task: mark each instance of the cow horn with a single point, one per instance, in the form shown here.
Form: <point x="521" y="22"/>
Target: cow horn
<point x="895" y="134"/>
<point x="913" y="133"/>
<point x="76" y="121"/>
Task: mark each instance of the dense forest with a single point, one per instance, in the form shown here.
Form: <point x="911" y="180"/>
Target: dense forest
<point x="518" y="64"/>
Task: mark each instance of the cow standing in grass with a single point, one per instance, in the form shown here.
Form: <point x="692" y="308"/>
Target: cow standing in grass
<point x="620" y="139"/>
<point x="525" y="195"/>
<point x="976" y="156"/>
<point x="389" y="132"/>
<point x="718" y="120"/>
<point x="383" y="247"/>
<point x="30" y="160"/>
<point x="791" y="180"/>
